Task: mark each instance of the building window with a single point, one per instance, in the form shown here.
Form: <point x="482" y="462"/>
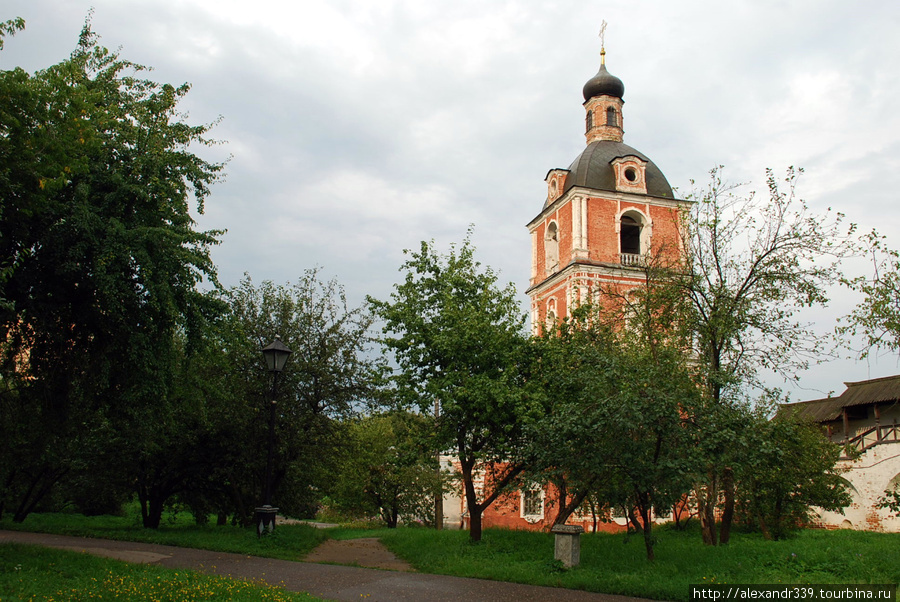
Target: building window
<point x="551" y="247"/>
<point x="611" y="116"/>
<point x="550" y="321"/>
<point x="631" y="175"/>
<point x="629" y="236"/>
<point x="588" y="121"/>
<point x="532" y="505"/>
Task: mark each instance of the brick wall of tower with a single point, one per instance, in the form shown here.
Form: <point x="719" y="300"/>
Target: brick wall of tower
<point x="563" y="219"/>
<point x="602" y="242"/>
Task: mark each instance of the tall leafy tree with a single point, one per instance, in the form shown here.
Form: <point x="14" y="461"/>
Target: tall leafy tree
<point x="387" y="469"/>
<point x="458" y="339"/>
<point x="623" y="393"/>
<point x="752" y="263"/>
<point x="877" y="317"/>
<point x="100" y="258"/>
<point x="331" y="376"/>
<point x="789" y="467"/>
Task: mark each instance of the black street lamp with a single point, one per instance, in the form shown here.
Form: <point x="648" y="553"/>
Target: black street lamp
<point x="276" y="354"/>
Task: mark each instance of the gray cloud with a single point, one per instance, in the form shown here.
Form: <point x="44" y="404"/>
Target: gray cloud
<point x="357" y="129"/>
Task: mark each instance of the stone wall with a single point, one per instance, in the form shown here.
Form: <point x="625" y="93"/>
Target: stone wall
<point x="876" y="470"/>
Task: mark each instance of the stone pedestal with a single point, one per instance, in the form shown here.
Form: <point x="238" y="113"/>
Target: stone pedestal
<point x="265" y="519"/>
<point x="567" y="547"/>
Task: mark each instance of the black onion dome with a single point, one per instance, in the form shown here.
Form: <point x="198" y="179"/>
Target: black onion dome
<point x="593" y="169"/>
<point x="603" y="83"/>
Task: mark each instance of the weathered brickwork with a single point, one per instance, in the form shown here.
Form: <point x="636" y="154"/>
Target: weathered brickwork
<point x="876" y="470"/>
<point x="559" y="272"/>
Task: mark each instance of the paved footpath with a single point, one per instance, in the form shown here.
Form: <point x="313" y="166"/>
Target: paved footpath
<point x="331" y="582"/>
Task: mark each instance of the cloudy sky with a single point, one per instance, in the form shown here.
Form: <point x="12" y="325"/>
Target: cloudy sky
<point x="357" y="128"/>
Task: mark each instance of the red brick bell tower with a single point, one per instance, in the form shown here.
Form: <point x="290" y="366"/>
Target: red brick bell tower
<point x="605" y="215"/>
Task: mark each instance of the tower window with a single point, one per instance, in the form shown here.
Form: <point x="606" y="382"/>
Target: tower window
<point x="551" y="247"/>
<point x="588" y="121"/>
<point x="629" y="236"/>
<point x="611" y="116"/>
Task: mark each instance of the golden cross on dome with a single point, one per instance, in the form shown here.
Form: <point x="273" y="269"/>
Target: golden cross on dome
<point x="603" y="42"/>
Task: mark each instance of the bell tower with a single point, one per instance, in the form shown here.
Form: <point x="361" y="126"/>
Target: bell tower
<point x="605" y="216"/>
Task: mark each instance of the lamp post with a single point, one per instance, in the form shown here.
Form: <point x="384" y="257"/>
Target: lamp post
<point x="276" y="354"/>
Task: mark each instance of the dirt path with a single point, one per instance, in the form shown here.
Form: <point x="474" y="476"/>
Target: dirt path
<point x="367" y="552"/>
<point x="328" y="581"/>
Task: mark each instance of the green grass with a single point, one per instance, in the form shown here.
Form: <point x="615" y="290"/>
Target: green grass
<point x="609" y="563"/>
<point x="617" y="565"/>
<point x="35" y="573"/>
<point x="288" y="542"/>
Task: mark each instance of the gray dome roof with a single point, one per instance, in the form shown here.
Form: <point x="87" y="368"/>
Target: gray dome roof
<point x="593" y="169"/>
<point x="603" y="83"/>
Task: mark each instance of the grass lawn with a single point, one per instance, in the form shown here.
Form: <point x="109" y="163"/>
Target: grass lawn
<point x="288" y="542"/>
<point x="609" y="563"/>
<point x="34" y="573"/>
<point x="616" y="565"/>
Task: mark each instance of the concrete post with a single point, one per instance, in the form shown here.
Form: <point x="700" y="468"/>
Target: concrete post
<point x="567" y="547"/>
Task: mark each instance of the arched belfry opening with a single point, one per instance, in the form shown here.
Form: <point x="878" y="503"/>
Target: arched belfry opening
<point x="630" y="227"/>
<point x="611" y="117"/>
<point x="551" y="247"/>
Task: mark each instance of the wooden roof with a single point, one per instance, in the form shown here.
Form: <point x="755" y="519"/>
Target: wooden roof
<point x="862" y="393"/>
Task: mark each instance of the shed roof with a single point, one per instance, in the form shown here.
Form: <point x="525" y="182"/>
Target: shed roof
<point x="862" y="393"/>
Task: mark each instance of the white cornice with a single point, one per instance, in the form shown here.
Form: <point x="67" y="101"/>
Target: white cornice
<point x="597" y="270"/>
<point x="610" y="195"/>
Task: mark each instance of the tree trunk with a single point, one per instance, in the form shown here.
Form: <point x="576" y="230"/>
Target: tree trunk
<point x="153" y="516"/>
<point x="475" y="524"/>
<point x="777" y="521"/>
<point x="595" y="518"/>
<point x="648" y="540"/>
<point x="647" y="523"/>
<point x="40" y="486"/>
<point x="763" y="527"/>
<point x="152" y="502"/>
<point x="707" y="496"/>
<point x="633" y="519"/>
<point x="562" y="489"/>
<point x="439" y="494"/>
<point x="439" y="510"/>
<point x="728" y="510"/>
<point x="391" y="517"/>
<point x="567" y="507"/>
<point x="11" y="477"/>
<point x="472" y="505"/>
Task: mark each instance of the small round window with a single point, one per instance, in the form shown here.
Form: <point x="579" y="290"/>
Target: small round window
<point x="631" y="174"/>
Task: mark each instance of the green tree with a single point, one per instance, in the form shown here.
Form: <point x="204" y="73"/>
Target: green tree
<point x="789" y="467"/>
<point x="622" y="393"/>
<point x="331" y="376"/>
<point x="890" y="500"/>
<point x="458" y="340"/>
<point x="100" y="261"/>
<point x="10" y="27"/>
<point x="877" y="317"/>
<point x="388" y="469"/>
<point x="752" y="263"/>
